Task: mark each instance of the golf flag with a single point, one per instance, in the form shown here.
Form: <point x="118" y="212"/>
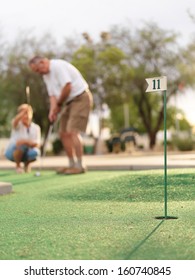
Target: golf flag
<point x="156" y="84"/>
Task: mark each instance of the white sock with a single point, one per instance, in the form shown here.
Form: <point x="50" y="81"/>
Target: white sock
<point x="71" y="162"/>
<point x="79" y="163"/>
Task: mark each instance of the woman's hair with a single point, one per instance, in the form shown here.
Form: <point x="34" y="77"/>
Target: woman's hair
<point x="26" y="107"/>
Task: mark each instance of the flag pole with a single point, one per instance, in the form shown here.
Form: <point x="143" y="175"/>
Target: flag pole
<point x="165" y="151"/>
<point x="160" y="84"/>
<point x="165" y="217"/>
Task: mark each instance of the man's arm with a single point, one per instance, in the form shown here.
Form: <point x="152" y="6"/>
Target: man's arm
<point x="55" y="104"/>
<point x="64" y="94"/>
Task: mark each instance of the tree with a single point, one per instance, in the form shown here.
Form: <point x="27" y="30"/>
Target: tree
<point x="117" y="70"/>
<point x="17" y="76"/>
<point x="102" y="64"/>
<point x="5" y="114"/>
<point x="152" y="52"/>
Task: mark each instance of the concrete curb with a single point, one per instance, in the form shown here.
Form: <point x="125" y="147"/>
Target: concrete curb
<point x="5" y="188"/>
<point x="123" y="161"/>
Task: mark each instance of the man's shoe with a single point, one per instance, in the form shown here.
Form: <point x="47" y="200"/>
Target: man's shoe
<point x="62" y="170"/>
<point x="74" y="171"/>
<point x="84" y="168"/>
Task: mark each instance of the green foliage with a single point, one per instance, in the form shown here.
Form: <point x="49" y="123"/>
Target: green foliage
<point x="120" y="67"/>
<point x="186" y="144"/>
<point x="57" y="146"/>
<point x="176" y="118"/>
<point x="83" y="59"/>
<point x="115" y="70"/>
<point x="153" y="52"/>
<point x="16" y="75"/>
<point x="111" y="56"/>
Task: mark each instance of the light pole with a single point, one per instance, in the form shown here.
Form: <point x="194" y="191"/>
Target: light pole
<point x="126" y="115"/>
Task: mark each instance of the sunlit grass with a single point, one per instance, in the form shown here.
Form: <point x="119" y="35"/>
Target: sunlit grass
<point x="97" y="215"/>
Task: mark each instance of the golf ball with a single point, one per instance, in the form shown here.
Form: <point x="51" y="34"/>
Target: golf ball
<point x="37" y="173"/>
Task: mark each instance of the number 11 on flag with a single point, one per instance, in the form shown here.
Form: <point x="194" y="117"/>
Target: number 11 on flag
<point x="156" y="84"/>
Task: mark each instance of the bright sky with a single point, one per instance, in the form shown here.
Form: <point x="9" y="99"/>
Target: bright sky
<point x="65" y="18"/>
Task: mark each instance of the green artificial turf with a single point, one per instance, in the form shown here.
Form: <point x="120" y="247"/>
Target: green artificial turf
<point x="98" y="216"/>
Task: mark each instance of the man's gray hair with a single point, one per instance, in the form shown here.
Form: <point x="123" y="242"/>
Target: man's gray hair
<point x="35" y="59"/>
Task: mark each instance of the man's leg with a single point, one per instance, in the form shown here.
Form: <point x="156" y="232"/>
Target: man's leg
<point x="73" y="121"/>
<point x="77" y="123"/>
<point x="72" y="142"/>
<point x="66" y="141"/>
<point x="78" y="147"/>
<point x="69" y="147"/>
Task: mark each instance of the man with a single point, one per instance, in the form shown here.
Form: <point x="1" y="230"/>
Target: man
<point x="66" y="85"/>
<point x="25" y="139"/>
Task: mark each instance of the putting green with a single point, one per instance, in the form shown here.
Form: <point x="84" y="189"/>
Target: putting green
<point x="98" y="215"/>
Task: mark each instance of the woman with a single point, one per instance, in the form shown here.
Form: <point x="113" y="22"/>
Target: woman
<point x="25" y="139"/>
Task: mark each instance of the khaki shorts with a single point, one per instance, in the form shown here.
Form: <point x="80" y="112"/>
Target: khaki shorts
<point x="76" y="113"/>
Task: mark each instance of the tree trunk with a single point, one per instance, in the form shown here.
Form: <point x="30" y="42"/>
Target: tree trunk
<point x="152" y="137"/>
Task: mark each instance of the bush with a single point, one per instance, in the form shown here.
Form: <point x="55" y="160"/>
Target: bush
<point x="57" y="146"/>
<point x="184" y="144"/>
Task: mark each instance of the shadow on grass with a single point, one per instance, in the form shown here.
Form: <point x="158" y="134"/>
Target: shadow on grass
<point x="136" y="248"/>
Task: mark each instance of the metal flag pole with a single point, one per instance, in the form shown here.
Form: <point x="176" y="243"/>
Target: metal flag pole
<point x="160" y="84"/>
<point x="165" y="217"/>
<point x="165" y="151"/>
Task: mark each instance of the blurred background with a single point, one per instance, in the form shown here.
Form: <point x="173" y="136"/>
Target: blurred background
<point x="116" y="45"/>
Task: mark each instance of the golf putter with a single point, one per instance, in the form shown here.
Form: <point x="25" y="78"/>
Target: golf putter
<point x="43" y="151"/>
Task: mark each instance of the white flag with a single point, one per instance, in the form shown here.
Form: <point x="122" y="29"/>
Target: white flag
<point x="156" y="84"/>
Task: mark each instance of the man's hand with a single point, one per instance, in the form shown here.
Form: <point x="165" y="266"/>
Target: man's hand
<point x="52" y="116"/>
<point x="54" y="113"/>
